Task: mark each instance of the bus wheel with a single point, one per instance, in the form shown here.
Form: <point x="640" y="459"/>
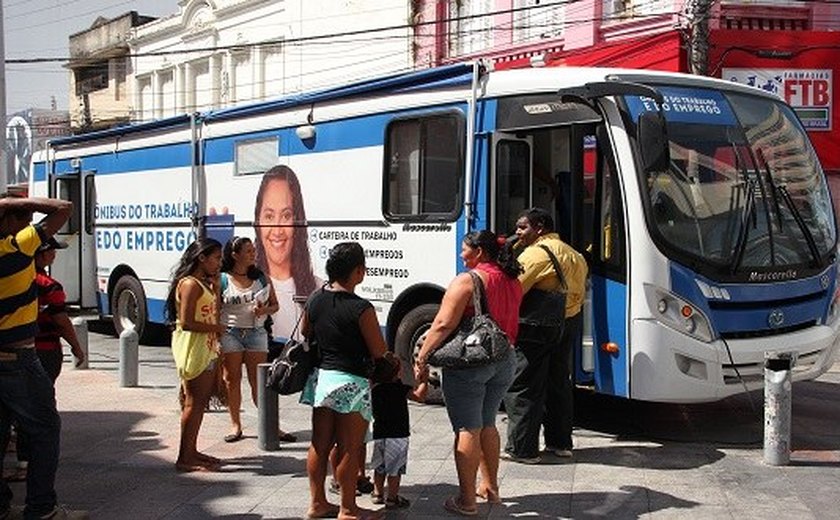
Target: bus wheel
<point x="128" y="305"/>
<point x="409" y="338"/>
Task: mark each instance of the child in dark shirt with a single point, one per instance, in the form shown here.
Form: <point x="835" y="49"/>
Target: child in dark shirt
<point x="390" y="438"/>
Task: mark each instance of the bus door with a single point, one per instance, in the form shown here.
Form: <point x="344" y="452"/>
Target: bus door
<point x="511" y="180"/>
<point x="75" y="267"/>
<point x="608" y="280"/>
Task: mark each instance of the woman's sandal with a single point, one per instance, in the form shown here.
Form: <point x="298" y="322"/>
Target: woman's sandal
<point x="377" y="498"/>
<point x="453" y="506"/>
<point x="233" y="437"/>
<point x="286" y="436"/>
<point x="490" y="496"/>
<point x="397" y="502"/>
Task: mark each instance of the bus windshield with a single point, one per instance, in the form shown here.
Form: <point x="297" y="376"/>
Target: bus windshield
<point x="744" y="191"/>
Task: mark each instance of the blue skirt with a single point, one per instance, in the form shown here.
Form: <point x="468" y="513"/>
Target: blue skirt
<point x="338" y="391"/>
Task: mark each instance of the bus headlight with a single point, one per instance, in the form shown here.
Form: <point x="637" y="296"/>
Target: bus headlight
<point x="678" y="314"/>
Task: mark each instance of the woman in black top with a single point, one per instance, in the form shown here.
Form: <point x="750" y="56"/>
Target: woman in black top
<point x="346" y="331"/>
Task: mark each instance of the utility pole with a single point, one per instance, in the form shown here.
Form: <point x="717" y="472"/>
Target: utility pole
<point x="4" y="156"/>
<point x="698" y="46"/>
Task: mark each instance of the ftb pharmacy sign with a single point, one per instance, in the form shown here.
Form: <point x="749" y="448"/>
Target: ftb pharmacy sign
<point x="808" y="91"/>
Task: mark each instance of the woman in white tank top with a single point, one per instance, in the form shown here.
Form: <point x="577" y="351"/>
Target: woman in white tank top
<point x="247" y="297"/>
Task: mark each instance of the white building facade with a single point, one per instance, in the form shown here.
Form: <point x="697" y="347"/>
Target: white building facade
<point x="220" y="53"/>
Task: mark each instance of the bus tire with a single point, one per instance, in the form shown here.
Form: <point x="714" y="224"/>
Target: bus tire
<point x="408" y="340"/>
<point x="128" y="306"/>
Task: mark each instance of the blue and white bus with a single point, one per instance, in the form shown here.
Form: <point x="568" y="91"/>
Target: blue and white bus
<point x="700" y="204"/>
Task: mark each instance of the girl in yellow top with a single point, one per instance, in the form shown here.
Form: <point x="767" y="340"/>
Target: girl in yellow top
<point x="193" y="303"/>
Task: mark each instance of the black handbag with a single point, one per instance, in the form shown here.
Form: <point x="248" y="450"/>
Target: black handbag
<point x="289" y="371"/>
<point x="478" y="341"/>
<point x="545" y="308"/>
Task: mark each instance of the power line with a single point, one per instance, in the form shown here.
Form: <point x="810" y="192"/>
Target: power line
<point x="302" y="39"/>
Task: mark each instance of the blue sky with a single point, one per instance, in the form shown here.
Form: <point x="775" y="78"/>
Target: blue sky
<point x="40" y="28"/>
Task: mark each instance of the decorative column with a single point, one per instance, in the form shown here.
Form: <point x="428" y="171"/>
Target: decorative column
<point x="189" y="89"/>
<point x="259" y="73"/>
<point x="178" y="85"/>
<point x="215" y="84"/>
<point x="157" y="96"/>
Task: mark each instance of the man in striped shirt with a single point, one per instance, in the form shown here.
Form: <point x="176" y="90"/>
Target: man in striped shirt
<point x="26" y="392"/>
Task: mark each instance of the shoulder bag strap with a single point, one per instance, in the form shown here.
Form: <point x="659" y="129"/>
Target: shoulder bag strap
<point x="557" y="269"/>
<point x="479" y="297"/>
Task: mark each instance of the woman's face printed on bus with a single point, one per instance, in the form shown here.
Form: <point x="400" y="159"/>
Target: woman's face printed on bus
<point x="470" y="255"/>
<point x="526" y="233"/>
<point x="276" y="231"/>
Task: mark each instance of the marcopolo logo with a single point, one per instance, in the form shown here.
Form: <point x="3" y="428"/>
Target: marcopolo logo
<point x="776" y="318"/>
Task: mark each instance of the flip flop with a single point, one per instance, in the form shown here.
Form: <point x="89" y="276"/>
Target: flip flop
<point x="233" y="437"/>
<point x="453" y="506"/>
<point x="287" y="437"/>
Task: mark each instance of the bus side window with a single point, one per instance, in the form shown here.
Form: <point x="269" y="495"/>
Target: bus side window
<point x="610" y="215"/>
<point x="424" y="159"/>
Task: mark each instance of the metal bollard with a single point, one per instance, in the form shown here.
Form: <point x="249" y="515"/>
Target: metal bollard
<point x="777" y="400"/>
<point x="80" y="325"/>
<point x="129" y="357"/>
<point x="268" y="423"/>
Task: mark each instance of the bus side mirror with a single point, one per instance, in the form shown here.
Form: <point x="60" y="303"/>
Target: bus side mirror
<point x="652" y="137"/>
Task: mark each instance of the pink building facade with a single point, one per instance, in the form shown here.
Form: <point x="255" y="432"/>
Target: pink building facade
<point x="791" y="48"/>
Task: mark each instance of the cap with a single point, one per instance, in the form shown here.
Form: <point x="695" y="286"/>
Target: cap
<point x="52" y="243"/>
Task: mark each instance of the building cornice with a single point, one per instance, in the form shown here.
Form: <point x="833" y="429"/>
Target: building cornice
<point x="178" y="24"/>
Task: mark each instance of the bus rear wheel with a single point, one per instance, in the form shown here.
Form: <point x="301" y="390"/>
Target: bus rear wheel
<point x="128" y="306"/>
<point x="409" y="338"/>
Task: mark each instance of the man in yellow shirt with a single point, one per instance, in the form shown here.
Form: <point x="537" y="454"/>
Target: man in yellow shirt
<point x="26" y="392"/>
<point x="550" y="322"/>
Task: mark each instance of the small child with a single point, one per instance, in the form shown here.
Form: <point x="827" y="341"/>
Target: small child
<point x="390" y="438"/>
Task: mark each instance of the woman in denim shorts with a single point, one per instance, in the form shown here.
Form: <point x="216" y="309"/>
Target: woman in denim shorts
<point x="473" y="395"/>
<point x="247" y="297"/>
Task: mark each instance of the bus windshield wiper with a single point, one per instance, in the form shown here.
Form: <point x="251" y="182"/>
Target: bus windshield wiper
<point x="781" y="191"/>
<point x="741" y="244"/>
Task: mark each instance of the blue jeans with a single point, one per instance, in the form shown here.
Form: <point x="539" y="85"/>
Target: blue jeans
<point x="473" y="395"/>
<point x="27" y="397"/>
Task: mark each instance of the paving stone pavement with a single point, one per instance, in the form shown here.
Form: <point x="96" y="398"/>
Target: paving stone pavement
<point x="632" y="460"/>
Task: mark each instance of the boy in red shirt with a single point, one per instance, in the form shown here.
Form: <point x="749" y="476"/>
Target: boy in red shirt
<point x="53" y="322"/>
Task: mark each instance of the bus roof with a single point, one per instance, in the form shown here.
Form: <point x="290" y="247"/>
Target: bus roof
<point x="502" y="83"/>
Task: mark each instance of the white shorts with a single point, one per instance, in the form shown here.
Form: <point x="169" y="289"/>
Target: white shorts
<point x="390" y="456"/>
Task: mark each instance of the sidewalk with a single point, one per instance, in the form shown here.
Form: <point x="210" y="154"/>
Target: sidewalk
<point x="632" y="460"/>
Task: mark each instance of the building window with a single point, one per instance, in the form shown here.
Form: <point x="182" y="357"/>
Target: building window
<point x="202" y="86"/>
<point x="256" y="156"/>
<point x="272" y="59"/>
<point x="538" y="20"/>
<point x="145" y="111"/>
<point x="243" y="78"/>
<point x="119" y="65"/>
<point x="470" y="26"/>
<point x="167" y="93"/>
<point x="90" y="78"/>
<point x="424" y="161"/>
<point x="623" y="9"/>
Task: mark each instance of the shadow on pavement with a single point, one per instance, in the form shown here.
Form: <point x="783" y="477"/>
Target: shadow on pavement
<point x="659" y="457"/>
<point x="629" y="502"/>
<point x="733" y="422"/>
<point x="113" y="470"/>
